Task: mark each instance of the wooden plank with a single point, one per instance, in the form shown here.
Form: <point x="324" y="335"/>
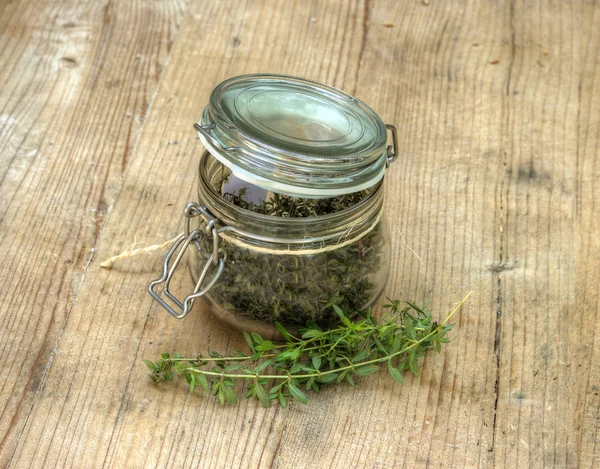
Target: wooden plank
<point x="69" y="115"/>
<point x="546" y="276"/>
<point x="97" y="406"/>
<point x="583" y="333"/>
<point x="435" y="80"/>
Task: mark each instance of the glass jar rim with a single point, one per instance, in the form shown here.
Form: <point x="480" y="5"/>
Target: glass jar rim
<point x="354" y="219"/>
<point x="294" y="136"/>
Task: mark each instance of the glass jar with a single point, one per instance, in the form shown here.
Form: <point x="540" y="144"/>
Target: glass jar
<point x="290" y="220"/>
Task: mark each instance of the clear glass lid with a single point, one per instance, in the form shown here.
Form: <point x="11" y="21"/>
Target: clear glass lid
<point x="294" y="136"/>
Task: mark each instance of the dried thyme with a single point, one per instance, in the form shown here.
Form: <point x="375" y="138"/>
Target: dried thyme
<point x="280" y="205"/>
<point x="294" y="290"/>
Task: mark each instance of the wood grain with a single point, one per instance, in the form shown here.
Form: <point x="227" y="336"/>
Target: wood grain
<point x="545" y="363"/>
<point x="76" y="83"/>
<point x="127" y="421"/>
<point x="496" y="191"/>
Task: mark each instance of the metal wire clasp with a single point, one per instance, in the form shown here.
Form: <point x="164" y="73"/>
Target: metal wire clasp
<point x="392" y="150"/>
<point x="216" y="260"/>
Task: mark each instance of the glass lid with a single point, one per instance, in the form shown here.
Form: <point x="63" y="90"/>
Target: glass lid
<point x="294" y="136"/>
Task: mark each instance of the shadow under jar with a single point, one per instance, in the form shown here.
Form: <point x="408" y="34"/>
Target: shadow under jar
<point x="290" y="220"/>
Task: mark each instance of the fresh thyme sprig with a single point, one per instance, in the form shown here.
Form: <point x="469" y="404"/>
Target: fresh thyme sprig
<point x="314" y="357"/>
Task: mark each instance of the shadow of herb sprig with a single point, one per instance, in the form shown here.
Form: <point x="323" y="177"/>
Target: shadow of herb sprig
<point x="315" y="357"/>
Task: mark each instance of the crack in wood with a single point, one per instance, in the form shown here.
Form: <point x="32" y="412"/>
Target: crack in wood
<point x="498" y="326"/>
<point x="501" y="265"/>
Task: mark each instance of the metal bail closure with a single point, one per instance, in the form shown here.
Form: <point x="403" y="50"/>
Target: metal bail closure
<point x="217" y="258"/>
<point x="392" y="150"/>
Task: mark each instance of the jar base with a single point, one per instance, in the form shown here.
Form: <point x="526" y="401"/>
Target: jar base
<point x="265" y="330"/>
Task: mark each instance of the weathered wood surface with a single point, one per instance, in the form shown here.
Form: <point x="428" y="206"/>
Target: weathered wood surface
<point x="76" y="82"/>
<point x="496" y="191"/>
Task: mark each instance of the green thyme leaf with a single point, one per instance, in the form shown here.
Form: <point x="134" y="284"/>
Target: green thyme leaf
<point x="366" y="370"/>
<point x="395" y="373"/>
<point x="297" y="394"/>
<point x="262" y="396"/>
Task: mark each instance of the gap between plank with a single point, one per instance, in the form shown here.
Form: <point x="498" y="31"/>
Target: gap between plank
<point x="499" y="292"/>
<point x="498" y="327"/>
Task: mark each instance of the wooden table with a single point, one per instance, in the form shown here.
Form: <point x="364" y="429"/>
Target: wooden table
<point x="497" y="191"/>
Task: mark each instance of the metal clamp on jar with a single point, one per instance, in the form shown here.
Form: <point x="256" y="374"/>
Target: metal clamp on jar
<point x="289" y="221"/>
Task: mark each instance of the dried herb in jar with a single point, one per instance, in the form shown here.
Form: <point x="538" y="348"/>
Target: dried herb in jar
<point x="297" y="290"/>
